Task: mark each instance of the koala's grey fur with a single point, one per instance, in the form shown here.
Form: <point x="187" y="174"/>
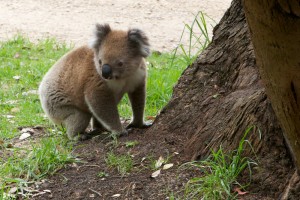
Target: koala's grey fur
<point x="73" y="91"/>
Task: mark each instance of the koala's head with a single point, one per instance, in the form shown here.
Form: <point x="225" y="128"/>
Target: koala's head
<point x="118" y="54"/>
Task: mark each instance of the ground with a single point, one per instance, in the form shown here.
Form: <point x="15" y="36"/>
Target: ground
<point x="72" y="21"/>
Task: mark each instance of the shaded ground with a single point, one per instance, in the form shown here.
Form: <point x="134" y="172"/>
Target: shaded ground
<point x="81" y="180"/>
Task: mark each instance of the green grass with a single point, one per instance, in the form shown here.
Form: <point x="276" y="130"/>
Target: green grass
<point x="18" y="166"/>
<point x="123" y="163"/>
<point x="30" y="61"/>
<point x="220" y="171"/>
<point x="131" y="144"/>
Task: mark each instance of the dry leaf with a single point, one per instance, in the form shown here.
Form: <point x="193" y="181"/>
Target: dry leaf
<point x="13" y="190"/>
<point x="116" y="195"/>
<point x="152" y="118"/>
<point x="24" y="136"/>
<point x="238" y="190"/>
<point x="168" y="166"/>
<point x="155" y="174"/>
<point x="159" y="162"/>
<point x="15" y="110"/>
<point x="16" y="77"/>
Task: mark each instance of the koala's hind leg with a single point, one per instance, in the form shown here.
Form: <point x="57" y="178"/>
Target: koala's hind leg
<point x="76" y="123"/>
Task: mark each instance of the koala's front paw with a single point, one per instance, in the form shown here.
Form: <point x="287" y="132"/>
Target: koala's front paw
<point x="143" y="125"/>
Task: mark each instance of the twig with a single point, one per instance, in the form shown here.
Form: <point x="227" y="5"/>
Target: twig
<point x="95" y="192"/>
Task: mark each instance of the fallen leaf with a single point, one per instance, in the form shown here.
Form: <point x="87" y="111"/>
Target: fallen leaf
<point x="24" y="136"/>
<point x="116" y="195"/>
<point x="15" y="110"/>
<point x="168" y="166"/>
<point x="155" y="174"/>
<point x="16" y="77"/>
<point x="92" y="195"/>
<point x="216" y="95"/>
<point x="9" y="116"/>
<point x="151" y="118"/>
<point x="144" y="158"/>
<point x="159" y="162"/>
<point x="238" y="190"/>
<point x="13" y="190"/>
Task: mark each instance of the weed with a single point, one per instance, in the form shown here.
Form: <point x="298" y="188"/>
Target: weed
<point x="131" y="144"/>
<point x="220" y="174"/>
<point x="198" y="39"/>
<point x="102" y="174"/>
<point x="123" y="163"/>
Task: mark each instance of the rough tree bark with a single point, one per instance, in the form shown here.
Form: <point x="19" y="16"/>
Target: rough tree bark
<point x="218" y="97"/>
<point x="275" y="33"/>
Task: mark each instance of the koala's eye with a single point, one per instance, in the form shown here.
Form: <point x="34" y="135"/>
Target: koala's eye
<point x="120" y="64"/>
<point x="100" y="62"/>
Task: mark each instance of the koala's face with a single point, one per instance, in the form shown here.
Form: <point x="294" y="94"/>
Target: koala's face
<point x="118" y="54"/>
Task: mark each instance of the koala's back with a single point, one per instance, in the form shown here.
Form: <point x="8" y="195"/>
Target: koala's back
<point x="64" y="83"/>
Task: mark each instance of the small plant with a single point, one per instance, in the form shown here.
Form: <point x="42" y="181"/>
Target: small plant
<point x="122" y="163"/>
<point x="220" y="174"/>
<point x="198" y="39"/>
<point x="131" y="144"/>
<point x="102" y="174"/>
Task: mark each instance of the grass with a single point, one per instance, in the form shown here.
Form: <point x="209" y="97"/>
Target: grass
<point x="22" y="66"/>
<point x="220" y="173"/>
<point x="198" y="39"/>
<point x="123" y="163"/>
<point x="19" y="166"/>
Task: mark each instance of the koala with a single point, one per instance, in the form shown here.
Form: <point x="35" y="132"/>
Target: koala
<point x="89" y="82"/>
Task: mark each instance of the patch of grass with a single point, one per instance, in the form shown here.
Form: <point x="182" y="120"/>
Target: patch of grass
<point x="131" y="144"/>
<point x="102" y="174"/>
<point x="198" y="39"/>
<point x="220" y="174"/>
<point x="21" y="165"/>
<point x="22" y="66"/>
<point x="123" y="163"/>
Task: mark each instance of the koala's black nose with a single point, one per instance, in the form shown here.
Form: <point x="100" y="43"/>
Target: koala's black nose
<point x="106" y="71"/>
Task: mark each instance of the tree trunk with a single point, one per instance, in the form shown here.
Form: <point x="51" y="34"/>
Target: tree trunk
<point x="219" y="96"/>
<point x="275" y="33"/>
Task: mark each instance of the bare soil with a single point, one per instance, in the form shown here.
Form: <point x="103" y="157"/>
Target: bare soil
<point x="73" y="21"/>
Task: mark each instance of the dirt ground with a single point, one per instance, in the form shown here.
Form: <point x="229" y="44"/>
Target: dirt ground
<point x="72" y="21"/>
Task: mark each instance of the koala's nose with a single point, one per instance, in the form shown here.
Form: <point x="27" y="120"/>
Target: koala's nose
<point x="106" y="71"/>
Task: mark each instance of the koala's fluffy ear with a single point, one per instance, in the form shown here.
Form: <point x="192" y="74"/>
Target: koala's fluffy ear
<point x="139" y="39"/>
<point x="100" y="33"/>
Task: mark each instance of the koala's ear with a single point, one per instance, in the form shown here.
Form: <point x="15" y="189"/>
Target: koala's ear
<point x="100" y="33"/>
<point x="139" y="39"/>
